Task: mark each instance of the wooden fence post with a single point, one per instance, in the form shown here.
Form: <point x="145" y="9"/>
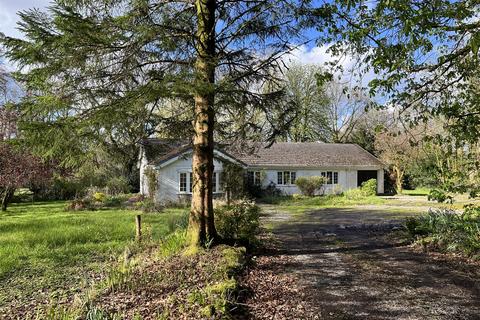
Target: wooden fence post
<point x="138" y="227"/>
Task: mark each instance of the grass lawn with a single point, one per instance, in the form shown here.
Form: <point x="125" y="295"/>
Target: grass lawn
<point x="300" y="204"/>
<point x="417" y="192"/>
<point x="47" y="253"/>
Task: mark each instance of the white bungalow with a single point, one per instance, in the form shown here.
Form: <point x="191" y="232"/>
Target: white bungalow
<point x="345" y="166"/>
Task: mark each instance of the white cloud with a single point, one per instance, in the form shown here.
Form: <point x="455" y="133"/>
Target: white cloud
<point x="315" y="55"/>
<point x="9" y="16"/>
<point x="345" y="69"/>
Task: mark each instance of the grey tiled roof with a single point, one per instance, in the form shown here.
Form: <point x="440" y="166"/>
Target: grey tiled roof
<point x="159" y="150"/>
<point x="281" y="154"/>
<point x="310" y="154"/>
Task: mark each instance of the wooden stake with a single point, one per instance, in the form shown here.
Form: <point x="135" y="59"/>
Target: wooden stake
<point x="138" y="227"/>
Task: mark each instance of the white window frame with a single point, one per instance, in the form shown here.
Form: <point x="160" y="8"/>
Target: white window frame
<point x="254" y="177"/>
<point x="333" y="175"/>
<point x="257" y="178"/>
<point x="180" y="184"/>
<point x="281" y="175"/>
<point x="189" y="182"/>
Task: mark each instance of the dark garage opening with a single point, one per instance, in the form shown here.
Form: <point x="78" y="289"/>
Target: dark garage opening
<point x="364" y="175"/>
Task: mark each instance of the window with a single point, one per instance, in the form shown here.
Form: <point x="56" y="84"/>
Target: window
<point x="191" y="182"/>
<point x="221" y="180"/>
<point x="182" y="182"/>
<point x="293" y="177"/>
<point x="186" y="179"/>
<point x="332" y="176"/>
<point x="286" y="177"/>
<point x="329" y="177"/>
<point x="214" y="182"/>
<point x="254" y="178"/>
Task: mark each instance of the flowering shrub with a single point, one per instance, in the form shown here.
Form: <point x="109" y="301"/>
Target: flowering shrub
<point x="99" y="197"/>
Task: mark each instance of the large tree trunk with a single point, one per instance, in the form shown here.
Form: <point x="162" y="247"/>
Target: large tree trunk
<point x="201" y="224"/>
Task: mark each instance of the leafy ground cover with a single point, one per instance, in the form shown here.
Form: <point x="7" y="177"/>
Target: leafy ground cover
<point x="448" y="231"/>
<point x="182" y="286"/>
<point x="49" y="255"/>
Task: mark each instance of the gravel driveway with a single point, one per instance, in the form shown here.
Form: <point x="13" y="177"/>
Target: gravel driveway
<point x="348" y="264"/>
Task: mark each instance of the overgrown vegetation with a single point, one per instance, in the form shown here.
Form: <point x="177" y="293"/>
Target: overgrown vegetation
<point x="309" y="186"/>
<point x="65" y="251"/>
<point x="87" y="262"/>
<point x="238" y="221"/>
<point x="199" y="286"/>
<point x="300" y="203"/>
<point x="448" y="231"/>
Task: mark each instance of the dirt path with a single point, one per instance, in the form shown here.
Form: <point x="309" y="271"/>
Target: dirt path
<point x="345" y="264"/>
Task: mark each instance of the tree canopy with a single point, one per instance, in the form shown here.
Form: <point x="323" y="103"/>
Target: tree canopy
<point x="103" y="68"/>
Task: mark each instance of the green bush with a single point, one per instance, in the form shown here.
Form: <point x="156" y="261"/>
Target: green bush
<point x="149" y="205"/>
<point x="118" y="201"/>
<point x="310" y="185"/>
<point x="175" y="222"/>
<point x="60" y="188"/>
<point x="238" y="221"/>
<point x="79" y="205"/>
<point x="354" y="194"/>
<point x="99" y="196"/>
<point x="447" y="230"/>
<point x="439" y="196"/>
<point x="117" y="185"/>
<point x="369" y="187"/>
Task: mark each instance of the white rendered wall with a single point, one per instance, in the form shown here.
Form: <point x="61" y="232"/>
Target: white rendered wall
<point x="168" y="184"/>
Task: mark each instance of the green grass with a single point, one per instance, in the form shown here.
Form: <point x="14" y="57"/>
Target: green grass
<point x="300" y="204"/>
<point x="45" y="248"/>
<point x="417" y="192"/>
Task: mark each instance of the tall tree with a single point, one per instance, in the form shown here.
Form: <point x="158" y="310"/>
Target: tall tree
<point x="424" y="54"/>
<point x="345" y="109"/>
<point x="399" y="147"/>
<point x="309" y="97"/>
<point x="88" y="62"/>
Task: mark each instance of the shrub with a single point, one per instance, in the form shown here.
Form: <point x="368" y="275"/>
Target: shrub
<point x="117" y="201"/>
<point x="61" y="188"/>
<point x="79" y="205"/>
<point x="149" y="205"/>
<point x="117" y="185"/>
<point x="238" y="221"/>
<point x="439" y="196"/>
<point x="447" y="230"/>
<point x="175" y="222"/>
<point x="99" y="196"/>
<point x="152" y="181"/>
<point x="310" y="185"/>
<point x="354" y="194"/>
<point x="369" y="187"/>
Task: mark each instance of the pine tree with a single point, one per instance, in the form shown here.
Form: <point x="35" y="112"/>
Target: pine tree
<point x="91" y="66"/>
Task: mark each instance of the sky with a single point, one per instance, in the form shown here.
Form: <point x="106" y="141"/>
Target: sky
<point x="305" y="54"/>
<point x="9" y="17"/>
